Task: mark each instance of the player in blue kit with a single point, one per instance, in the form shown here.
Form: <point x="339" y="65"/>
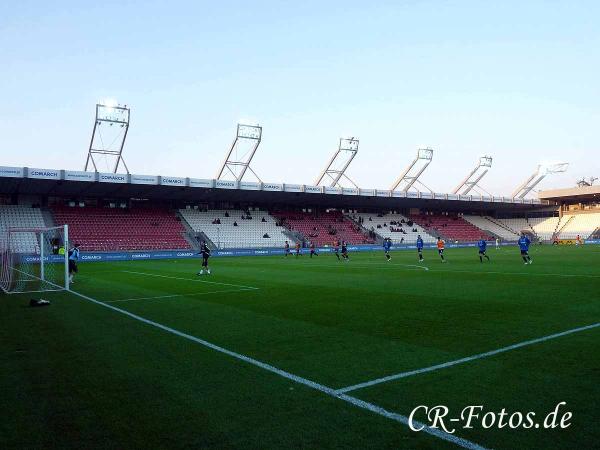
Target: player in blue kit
<point x="482" y="249"/>
<point x="420" y="247"/>
<point x="524" y="243"/>
<point x="387" y="244"/>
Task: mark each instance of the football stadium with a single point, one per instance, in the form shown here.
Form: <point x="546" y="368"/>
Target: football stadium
<point x="216" y="309"/>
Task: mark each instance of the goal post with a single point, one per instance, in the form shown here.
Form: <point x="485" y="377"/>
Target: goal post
<point x="34" y="259"/>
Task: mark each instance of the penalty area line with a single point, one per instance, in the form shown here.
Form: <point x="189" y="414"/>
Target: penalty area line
<point x="193" y="294"/>
<point x="410" y="373"/>
<point x="187" y="279"/>
<point x="464" y="443"/>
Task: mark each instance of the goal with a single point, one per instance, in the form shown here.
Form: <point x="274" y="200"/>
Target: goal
<point x="34" y="259"/>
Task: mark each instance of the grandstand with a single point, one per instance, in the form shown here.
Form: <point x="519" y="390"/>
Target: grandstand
<point x="545" y="228"/>
<point x="15" y="216"/>
<point x="183" y="210"/>
<point x="583" y="225"/>
<point x="493" y="226"/>
<point x="110" y="229"/>
<point x="322" y="228"/>
<point x="452" y="227"/>
<point x="236" y="228"/>
<point x="396" y="227"/>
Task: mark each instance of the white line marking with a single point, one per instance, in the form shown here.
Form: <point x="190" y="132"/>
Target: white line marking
<point x="304" y="381"/>
<point x="188" y="279"/>
<point x="179" y="295"/>
<point x="463" y="360"/>
<point x="383" y="264"/>
<point x="362" y="265"/>
<point x="529" y="274"/>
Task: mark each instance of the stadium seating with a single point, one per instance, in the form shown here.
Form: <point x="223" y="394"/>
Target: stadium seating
<point x="542" y="227"/>
<point x="322" y="228"/>
<point x="451" y="227"/>
<point x="582" y="225"/>
<point x="494" y="226"/>
<point x="249" y="233"/>
<point x="21" y="217"/>
<point x="110" y="229"/>
<point x="545" y="227"/>
<point x="393" y="226"/>
<point x="516" y="225"/>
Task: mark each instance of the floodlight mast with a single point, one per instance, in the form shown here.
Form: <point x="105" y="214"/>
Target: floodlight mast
<point x="540" y="173"/>
<point x="235" y="163"/>
<point x="471" y="181"/>
<point x="411" y="175"/>
<point x="339" y="162"/>
<point x="107" y="115"/>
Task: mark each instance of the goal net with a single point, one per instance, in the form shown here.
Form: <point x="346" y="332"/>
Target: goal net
<point x="34" y="259"/>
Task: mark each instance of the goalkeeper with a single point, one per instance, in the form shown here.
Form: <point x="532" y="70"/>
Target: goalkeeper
<point x="205" y="252"/>
<point x="73" y="259"/>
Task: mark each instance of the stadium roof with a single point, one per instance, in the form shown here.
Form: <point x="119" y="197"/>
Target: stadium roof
<point x="574" y="194"/>
<point x="75" y="184"/>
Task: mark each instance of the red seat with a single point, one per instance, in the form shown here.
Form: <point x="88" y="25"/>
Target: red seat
<point x="320" y="224"/>
<point x="110" y="229"/>
<point x="452" y="227"/>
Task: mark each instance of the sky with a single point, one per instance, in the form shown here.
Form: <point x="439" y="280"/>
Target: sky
<point x="519" y="81"/>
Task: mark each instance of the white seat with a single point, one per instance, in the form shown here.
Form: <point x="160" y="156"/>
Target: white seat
<point x="12" y="216"/>
<point x="247" y="233"/>
<point x="371" y="220"/>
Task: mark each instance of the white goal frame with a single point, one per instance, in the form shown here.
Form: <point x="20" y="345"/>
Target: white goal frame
<point x="7" y="257"/>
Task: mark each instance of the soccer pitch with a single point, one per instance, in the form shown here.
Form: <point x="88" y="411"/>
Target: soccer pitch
<point x="274" y="352"/>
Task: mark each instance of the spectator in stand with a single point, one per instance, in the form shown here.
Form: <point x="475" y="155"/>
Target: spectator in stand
<point x="235" y="224"/>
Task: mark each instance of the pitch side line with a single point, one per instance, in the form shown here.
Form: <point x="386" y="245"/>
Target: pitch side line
<point x="193" y="294"/>
<point x="462" y="360"/>
<point x="464" y="443"/>
<point x="188" y="279"/>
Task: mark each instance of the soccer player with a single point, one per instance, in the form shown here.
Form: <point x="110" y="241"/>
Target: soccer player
<point x="497" y="243"/>
<point x="482" y="248"/>
<point x="420" y="247"/>
<point x="297" y="249"/>
<point x="524" y="247"/>
<point x="336" y="248"/>
<point x="287" y="249"/>
<point x="345" y="251"/>
<point x="205" y="252"/>
<point x="440" y="247"/>
<point x="312" y="250"/>
<point x="578" y="240"/>
<point x="387" y="244"/>
<point x="73" y="258"/>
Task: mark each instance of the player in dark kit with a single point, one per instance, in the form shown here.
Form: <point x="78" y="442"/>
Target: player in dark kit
<point x="287" y="249"/>
<point x="345" y="251"/>
<point x="524" y="247"/>
<point x="336" y="248"/>
<point x="312" y="250"/>
<point x="297" y="249"/>
<point x="387" y="244"/>
<point x="482" y="249"/>
<point x="205" y="252"/>
<point x="420" y="247"/>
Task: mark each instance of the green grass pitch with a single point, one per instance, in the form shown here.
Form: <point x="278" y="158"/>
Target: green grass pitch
<point x="80" y="375"/>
